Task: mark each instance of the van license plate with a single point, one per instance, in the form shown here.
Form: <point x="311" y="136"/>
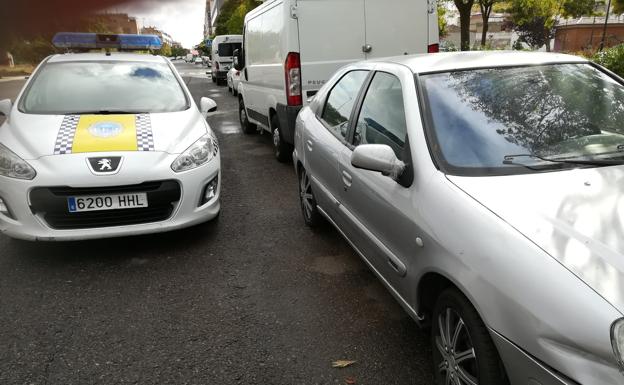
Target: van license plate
<point x="106" y="202"/>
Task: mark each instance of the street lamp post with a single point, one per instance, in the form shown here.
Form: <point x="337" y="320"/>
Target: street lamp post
<point x="604" y="30"/>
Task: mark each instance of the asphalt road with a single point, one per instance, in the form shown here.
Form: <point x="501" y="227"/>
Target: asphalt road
<point x="252" y="298"/>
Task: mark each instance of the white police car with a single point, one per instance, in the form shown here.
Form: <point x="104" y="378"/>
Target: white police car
<point x="106" y="144"/>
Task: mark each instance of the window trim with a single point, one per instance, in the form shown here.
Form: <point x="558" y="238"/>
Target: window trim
<point x="320" y="111"/>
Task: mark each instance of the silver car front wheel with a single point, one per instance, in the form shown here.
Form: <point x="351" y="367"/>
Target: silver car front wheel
<point x="463" y="352"/>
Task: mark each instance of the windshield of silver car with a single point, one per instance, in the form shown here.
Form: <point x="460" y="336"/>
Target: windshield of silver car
<point x="103" y="87"/>
<point x="501" y="121"/>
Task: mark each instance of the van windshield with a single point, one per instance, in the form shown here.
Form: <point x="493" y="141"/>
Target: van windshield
<point x="227" y="49"/>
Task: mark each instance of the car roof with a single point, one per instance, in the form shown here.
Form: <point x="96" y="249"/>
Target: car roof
<point x="101" y="56"/>
<point x="451" y="61"/>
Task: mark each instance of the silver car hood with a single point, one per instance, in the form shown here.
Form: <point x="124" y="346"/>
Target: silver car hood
<point x="576" y="216"/>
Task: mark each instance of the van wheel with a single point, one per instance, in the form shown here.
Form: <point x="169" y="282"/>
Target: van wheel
<point x="247" y="127"/>
<point x="463" y="352"/>
<point x="214" y="79"/>
<point x="283" y="150"/>
<point x="311" y="215"/>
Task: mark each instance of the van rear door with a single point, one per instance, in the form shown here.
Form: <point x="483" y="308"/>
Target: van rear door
<point x="331" y="35"/>
<point x="396" y="27"/>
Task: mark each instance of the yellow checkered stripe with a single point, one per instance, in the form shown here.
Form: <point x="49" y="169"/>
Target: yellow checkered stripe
<point x="75" y="134"/>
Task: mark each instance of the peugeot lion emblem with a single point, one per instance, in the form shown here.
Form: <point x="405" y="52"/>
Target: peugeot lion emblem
<point x="105" y="165"/>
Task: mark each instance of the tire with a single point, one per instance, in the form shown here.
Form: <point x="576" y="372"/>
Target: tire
<point x="214" y="79"/>
<point x="311" y="215"/>
<point x="283" y="150"/>
<point x="247" y="127"/>
<point x="478" y="360"/>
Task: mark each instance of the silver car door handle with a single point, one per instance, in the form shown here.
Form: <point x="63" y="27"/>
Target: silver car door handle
<point x="310" y="145"/>
<point x="347" y="179"/>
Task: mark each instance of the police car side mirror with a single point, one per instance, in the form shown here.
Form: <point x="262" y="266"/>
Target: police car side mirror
<point x="207" y="106"/>
<point x="5" y="107"/>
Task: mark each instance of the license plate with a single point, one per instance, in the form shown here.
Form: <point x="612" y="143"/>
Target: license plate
<point x="106" y="202"/>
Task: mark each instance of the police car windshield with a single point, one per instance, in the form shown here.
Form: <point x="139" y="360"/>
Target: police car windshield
<point x="85" y="87"/>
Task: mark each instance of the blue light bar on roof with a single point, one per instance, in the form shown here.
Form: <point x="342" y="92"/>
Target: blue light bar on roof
<point x="96" y="40"/>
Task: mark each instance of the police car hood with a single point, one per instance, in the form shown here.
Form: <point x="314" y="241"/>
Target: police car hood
<point x="33" y="136"/>
<point x="576" y="216"/>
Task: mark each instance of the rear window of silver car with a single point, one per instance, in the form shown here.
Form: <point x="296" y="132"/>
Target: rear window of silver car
<point x="91" y="87"/>
<point x="476" y="118"/>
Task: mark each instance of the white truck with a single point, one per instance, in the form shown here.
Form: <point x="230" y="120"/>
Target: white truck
<point x="223" y="47"/>
<point x="292" y="47"/>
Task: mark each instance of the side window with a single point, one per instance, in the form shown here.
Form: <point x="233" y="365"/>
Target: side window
<point x="340" y="101"/>
<point x="382" y="117"/>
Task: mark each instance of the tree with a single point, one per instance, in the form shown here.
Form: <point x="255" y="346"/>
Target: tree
<point x="442" y="18"/>
<point x="576" y="8"/>
<point x="618" y="7"/>
<point x="465" y="8"/>
<point x="486" y="7"/>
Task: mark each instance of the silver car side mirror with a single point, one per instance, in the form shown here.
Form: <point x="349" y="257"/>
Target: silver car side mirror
<point x="207" y="106"/>
<point x="378" y="157"/>
<point x="5" y="107"/>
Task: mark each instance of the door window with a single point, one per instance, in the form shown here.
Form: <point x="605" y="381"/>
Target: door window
<point x="382" y="117"/>
<point x="340" y="102"/>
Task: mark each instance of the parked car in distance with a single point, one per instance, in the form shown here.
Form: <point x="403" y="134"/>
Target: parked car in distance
<point x="198" y="60"/>
<point x="485" y="191"/>
<point x="233" y="80"/>
<point x="288" y="56"/>
<point x="223" y="47"/>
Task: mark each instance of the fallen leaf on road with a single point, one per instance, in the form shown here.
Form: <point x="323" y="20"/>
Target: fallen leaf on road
<point x="342" y="363"/>
<point x="350" y="380"/>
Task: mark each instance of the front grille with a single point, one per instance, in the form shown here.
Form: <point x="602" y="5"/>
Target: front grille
<point x="51" y="204"/>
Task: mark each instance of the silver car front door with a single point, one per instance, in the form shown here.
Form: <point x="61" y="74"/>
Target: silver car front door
<point x="325" y="139"/>
<point x="378" y="209"/>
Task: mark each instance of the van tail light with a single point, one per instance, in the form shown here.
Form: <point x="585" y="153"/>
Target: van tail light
<point x="433" y="48"/>
<point x="237" y="73"/>
<point x="293" y="79"/>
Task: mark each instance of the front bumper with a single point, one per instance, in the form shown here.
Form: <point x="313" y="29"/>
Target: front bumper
<point x="29" y="222"/>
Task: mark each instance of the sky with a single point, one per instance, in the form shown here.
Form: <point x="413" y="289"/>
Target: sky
<point x="182" y="19"/>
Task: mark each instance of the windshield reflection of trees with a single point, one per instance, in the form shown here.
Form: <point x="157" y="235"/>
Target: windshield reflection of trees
<point x="542" y="107"/>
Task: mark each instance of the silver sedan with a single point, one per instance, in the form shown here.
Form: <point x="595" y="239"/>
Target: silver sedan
<point x="485" y="191"/>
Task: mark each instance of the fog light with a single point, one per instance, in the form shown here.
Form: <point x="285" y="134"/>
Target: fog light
<point x="210" y="191"/>
<point x="4" y="210"/>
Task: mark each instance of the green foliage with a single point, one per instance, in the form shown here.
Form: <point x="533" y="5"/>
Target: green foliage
<point x="32" y="51"/>
<point x="618" y="6"/>
<point x="578" y="8"/>
<point x="442" y="18"/>
<point x="612" y="58"/>
<point x="232" y="16"/>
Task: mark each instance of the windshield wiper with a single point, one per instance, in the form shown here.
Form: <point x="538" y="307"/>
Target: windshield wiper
<point x="510" y="159"/>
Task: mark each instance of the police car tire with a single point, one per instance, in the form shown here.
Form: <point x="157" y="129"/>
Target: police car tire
<point x="247" y="127"/>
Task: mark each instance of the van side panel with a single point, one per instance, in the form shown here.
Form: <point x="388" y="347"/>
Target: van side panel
<point x="264" y="50"/>
<point x="396" y="27"/>
<point x="331" y="35"/>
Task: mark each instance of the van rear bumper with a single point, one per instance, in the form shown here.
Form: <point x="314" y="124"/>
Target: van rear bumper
<point x="287" y="116"/>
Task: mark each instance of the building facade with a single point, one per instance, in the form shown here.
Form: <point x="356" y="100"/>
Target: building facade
<point x="114" y="23"/>
<point x="208" y="30"/>
<point x="585" y="34"/>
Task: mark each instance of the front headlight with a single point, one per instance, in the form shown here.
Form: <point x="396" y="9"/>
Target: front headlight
<point x="13" y="166"/>
<point x="617" y="341"/>
<point x="199" y="153"/>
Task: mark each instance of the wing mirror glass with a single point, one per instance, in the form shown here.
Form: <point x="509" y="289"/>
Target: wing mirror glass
<point x="239" y="60"/>
<point x="207" y="106"/>
<point x="378" y="157"/>
<point x="5" y="107"/>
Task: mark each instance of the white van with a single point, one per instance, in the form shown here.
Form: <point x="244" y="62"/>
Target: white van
<point x="223" y="48"/>
<point x="292" y="47"/>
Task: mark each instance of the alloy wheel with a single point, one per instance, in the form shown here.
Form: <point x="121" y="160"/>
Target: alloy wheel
<point x="456" y="358"/>
<point x="305" y="191"/>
